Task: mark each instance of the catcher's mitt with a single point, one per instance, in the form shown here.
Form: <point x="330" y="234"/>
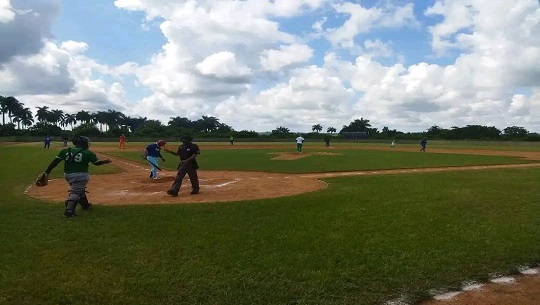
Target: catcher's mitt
<point x="42" y="179"/>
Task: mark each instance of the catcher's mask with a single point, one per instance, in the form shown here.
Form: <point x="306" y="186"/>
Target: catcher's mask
<point x="83" y="142"/>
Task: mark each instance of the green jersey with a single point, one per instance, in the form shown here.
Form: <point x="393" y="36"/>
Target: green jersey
<point x="76" y="159"/>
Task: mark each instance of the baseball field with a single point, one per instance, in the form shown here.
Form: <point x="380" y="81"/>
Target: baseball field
<point x="346" y="224"/>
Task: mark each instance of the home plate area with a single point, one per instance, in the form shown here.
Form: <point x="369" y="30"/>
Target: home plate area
<point x="135" y="187"/>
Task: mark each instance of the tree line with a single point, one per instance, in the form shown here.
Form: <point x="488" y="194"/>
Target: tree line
<point x="111" y="123"/>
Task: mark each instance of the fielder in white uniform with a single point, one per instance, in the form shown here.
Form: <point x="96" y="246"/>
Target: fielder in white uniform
<point x="299" y="143"/>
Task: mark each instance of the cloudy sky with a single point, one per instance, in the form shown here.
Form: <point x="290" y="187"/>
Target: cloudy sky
<point x="260" y="64"/>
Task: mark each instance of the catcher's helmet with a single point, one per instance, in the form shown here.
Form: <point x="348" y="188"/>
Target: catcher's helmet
<point x="83" y="142"/>
<point x="161" y="142"/>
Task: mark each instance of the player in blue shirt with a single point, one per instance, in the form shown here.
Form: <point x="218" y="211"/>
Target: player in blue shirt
<point x="152" y="153"/>
<point x="423" y="143"/>
<point x="47" y="142"/>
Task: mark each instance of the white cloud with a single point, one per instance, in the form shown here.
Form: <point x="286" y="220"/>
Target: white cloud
<point x="6" y="12"/>
<point x="61" y="77"/>
<point x="274" y="60"/>
<point x="236" y="60"/>
<point x="311" y="96"/>
<point x="223" y="65"/>
<point x="362" y="20"/>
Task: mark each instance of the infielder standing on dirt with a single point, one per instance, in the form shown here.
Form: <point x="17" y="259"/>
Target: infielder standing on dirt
<point x="299" y="143"/>
<point x="152" y="153"/>
<point x="188" y="153"/>
<point x="423" y="143"/>
<point x="76" y="161"/>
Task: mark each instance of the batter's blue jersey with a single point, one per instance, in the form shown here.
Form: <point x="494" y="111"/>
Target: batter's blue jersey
<point x="154" y="150"/>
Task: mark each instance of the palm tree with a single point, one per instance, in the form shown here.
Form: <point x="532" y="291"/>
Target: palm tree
<point x="317" y="128"/>
<point x="331" y="130"/>
<point x="135" y="123"/>
<point x="84" y="116"/>
<point x="180" y="122"/>
<point x="24" y="116"/>
<point x="70" y="119"/>
<point x="101" y="118"/>
<point x="12" y="105"/>
<point x="281" y="131"/>
<point x="208" y="123"/>
<point x="42" y="113"/>
<point x="3" y="108"/>
<point x="56" y="116"/>
<point x="114" y="118"/>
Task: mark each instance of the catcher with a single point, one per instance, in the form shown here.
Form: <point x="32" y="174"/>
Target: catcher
<point x="76" y="161"/>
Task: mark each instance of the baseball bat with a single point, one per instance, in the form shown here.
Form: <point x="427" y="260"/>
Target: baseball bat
<point x="151" y="163"/>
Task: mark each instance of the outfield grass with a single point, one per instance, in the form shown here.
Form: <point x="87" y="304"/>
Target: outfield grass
<point x="348" y="160"/>
<point x="363" y="240"/>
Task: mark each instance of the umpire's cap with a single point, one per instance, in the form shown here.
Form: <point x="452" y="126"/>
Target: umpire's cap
<point x="186" y="138"/>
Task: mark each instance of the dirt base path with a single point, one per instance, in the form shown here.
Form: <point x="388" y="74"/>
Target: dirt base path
<point x="523" y="290"/>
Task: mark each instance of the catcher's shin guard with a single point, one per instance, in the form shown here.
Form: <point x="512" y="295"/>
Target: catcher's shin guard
<point x="70" y="208"/>
<point x="85" y="205"/>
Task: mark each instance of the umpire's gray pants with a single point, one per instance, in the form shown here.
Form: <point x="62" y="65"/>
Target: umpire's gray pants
<point x="77" y="185"/>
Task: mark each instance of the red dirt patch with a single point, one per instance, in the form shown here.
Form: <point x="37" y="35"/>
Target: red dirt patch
<point x="526" y="291"/>
<point x="134" y="187"/>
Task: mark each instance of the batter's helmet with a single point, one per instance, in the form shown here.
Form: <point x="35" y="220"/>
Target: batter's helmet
<point x="81" y="141"/>
<point x="161" y="142"/>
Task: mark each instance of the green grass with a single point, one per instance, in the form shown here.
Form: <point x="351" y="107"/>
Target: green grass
<point x="363" y="240"/>
<point x="349" y="160"/>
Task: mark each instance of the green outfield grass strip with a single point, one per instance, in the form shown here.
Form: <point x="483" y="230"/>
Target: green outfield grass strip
<point x="345" y="160"/>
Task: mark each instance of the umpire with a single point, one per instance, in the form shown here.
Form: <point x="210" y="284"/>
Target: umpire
<point x="188" y="165"/>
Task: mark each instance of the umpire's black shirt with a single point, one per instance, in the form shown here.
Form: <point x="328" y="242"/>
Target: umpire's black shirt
<point x="187" y="150"/>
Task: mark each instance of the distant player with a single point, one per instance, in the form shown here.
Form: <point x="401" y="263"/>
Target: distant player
<point x="327" y="141"/>
<point x="76" y="161"/>
<point x="65" y="140"/>
<point x="232" y="140"/>
<point x="299" y="144"/>
<point x="152" y="153"/>
<point x="47" y="142"/>
<point x="423" y="143"/>
<point x="122" y="142"/>
<point x="393" y="143"/>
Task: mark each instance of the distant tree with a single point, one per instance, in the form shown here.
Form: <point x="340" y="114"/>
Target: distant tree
<point x="70" y="119"/>
<point x="43" y="113"/>
<point x="357" y="126"/>
<point x="135" y="123"/>
<point x="3" y="108"/>
<point x="56" y="116"/>
<point x="151" y="128"/>
<point x="515" y="131"/>
<point x="84" y="117"/>
<point x="331" y="130"/>
<point x="281" y="131"/>
<point x="207" y="123"/>
<point x="180" y="122"/>
<point x="434" y="130"/>
<point x="13" y="105"/>
<point x="317" y="128"/>
<point x="23" y="116"/>
<point x="100" y="117"/>
<point x="224" y="128"/>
